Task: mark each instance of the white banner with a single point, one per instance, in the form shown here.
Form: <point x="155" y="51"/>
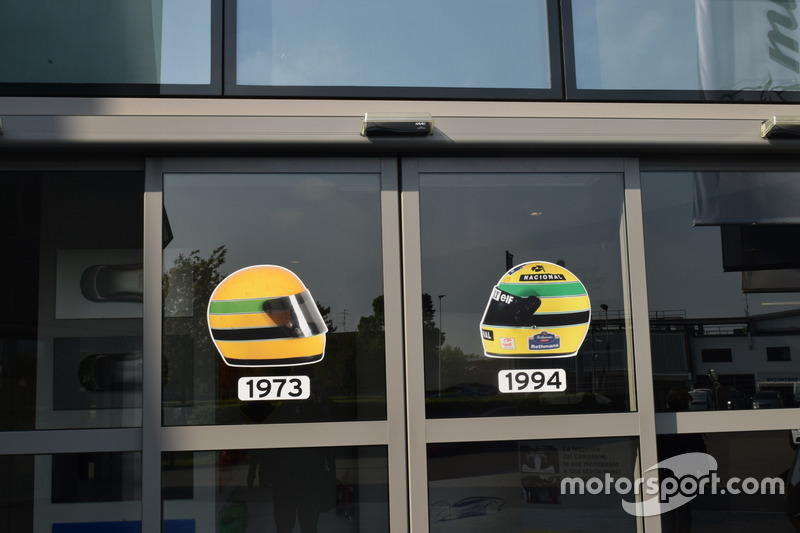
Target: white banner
<point x="748" y="45"/>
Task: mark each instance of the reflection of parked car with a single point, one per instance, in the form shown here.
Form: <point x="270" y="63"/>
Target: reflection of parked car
<point x="469" y="389"/>
<point x="767" y="399"/>
<point x="111" y="372"/>
<point x="470" y="506"/>
<point x="702" y="400"/>
<point x="112" y="283"/>
<point x="739" y="400"/>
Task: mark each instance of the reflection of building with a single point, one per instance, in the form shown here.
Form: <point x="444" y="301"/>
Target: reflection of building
<point x="749" y="353"/>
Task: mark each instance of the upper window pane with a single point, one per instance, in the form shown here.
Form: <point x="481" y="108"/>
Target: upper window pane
<point x="548" y="337"/>
<point x="723" y="291"/>
<point x="442" y="43"/>
<point x="717" y="49"/>
<point x="273" y="298"/>
<point x="165" y="42"/>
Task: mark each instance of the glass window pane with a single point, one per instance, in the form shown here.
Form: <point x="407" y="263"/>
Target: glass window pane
<point x="707" y="45"/>
<point x="753" y="480"/>
<point x="236" y="348"/>
<point x="343" y="489"/>
<point x="481" y="365"/>
<point x="92" y="41"/>
<point x="520" y="486"/>
<point x="387" y="44"/>
<point x="70" y="493"/>
<point x="723" y="296"/>
<point x="72" y="342"/>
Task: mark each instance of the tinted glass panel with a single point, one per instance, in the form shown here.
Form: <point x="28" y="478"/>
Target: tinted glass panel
<point x="66" y="493"/>
<point x="543" y="485"/>
<point x="719" y="306"/>
<point x="385" y="44"/>
<point x="752" y="481"/>
<point x="316" y="489"/>
<point x="71" y="349"/>
<point x="242" y="351"/>
<point x="97" y="42"/>
<point x="727" y="47"/>
<point x="488" y="337"/>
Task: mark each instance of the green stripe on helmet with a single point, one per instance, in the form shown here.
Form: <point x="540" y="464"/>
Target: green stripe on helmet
<point x="571" y="288"/>
<point x="225" y="307"/>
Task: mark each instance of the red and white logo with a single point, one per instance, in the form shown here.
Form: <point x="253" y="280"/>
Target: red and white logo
<point x="507" y="343"/>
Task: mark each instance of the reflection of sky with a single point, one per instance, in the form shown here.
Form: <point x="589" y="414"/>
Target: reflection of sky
<point x="469" y="221"/>
<point x="684" y="262"/>
<point x="435" y="43"/>
<point x="685" y="44"/>
<point x="635" y="44"/>
<point x="325" y="228"/>
<point x="186" y="42"/>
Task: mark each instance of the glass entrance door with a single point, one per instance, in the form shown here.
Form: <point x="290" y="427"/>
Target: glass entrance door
<point x="382" y="345"/>
<point x="280" y="321"/>
<point x="522" y="355"/>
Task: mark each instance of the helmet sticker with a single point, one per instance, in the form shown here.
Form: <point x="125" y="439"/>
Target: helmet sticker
<point x="537" y="309"/>
<point x="263" y="315"/>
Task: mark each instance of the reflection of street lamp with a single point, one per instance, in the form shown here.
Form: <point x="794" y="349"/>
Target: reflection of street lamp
<point x="604" y="307"/>
<point x="440" y="342"/>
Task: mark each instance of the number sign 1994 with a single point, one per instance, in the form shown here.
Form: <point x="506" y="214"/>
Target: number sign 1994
<point x="274" y="388"/>
<point x="549" y="380"/>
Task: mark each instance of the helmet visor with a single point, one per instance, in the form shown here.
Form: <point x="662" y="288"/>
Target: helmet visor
<point x="296" y="316"/>
<point x="508" y="310"/>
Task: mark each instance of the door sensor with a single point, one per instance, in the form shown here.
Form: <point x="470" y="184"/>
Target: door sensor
<point x="396" y="124"/>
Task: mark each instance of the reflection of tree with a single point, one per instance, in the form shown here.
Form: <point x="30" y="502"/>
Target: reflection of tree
<point x="456" y="366"/>
<point x="325" y="311"/>
<point x="188" y="351"/>
<point x="371" y="328"/>
<point x="430" y="333"/>
<point x="188" y="284"/>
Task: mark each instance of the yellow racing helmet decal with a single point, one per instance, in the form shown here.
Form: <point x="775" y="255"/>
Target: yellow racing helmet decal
<point x="537" y="309"/>
<point x="263" y="315"/>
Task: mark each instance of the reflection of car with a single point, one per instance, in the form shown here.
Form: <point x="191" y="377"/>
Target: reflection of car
<point x="469" y="389"/>
<point x="111" y="372"/>
<point x="112" y="283"/>
<point x="767" y="399"/>
<point x="702" y="400"/>
<point x="465" y="507"/>
<point x="738" y="400"/>
<point x="573" y="398"/>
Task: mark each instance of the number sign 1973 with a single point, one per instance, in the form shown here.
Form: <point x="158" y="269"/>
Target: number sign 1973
<point x="274" y="388"/>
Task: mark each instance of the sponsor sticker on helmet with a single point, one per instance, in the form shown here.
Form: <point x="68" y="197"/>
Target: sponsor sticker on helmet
<point x="544" y="341"/>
